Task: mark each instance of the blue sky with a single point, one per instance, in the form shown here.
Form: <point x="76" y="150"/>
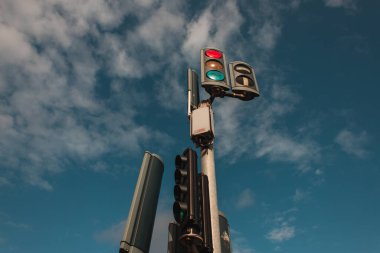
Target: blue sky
<point x="87" y="86"/>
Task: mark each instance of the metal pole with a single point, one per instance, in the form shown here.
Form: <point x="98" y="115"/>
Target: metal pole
<point x="208" y="168"/>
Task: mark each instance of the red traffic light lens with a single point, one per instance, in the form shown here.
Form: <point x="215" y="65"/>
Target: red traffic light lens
<point x="212" y="53"/>
<point x="212" y="64"/>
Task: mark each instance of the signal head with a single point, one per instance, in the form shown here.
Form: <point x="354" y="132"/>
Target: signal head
<point x="243" y="80"/>
<point x="213" y="71"/>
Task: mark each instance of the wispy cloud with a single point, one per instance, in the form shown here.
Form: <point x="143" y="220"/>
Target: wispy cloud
<point x="54" y="54"/>
<point x="300" y="195"/>
<point x="348" y="4"/>
<point x="160" y="231"/>
<point x="7" y="221"/>
<point x="267" y="22"/>
<point x="283" y="229"/>
<point x="254" y="130"/>
<point x="56" y="107"/>
<point x="245" y="199"/>
<point x="353" y="143"/>
<point x="114" y="233"/>
<point x="4" y="181"/>
<point x="213" y="27"/>
<point x="53" y="110"/>
<point x="281" y="234"/>
<point x="239" y="243"/>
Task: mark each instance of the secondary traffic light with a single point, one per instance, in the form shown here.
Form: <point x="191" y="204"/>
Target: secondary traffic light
<point x="213" y="71"/>
<point x="185" y="207"/>
<point x="243" y="80"/>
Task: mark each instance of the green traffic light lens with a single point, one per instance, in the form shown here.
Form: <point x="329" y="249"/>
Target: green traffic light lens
<point x="215" y="75"/>
<point x="182" y="215"/>
<point x="179" y="211"/>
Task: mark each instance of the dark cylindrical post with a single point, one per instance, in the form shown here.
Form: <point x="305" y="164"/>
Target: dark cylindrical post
<point x="139" y="227"/>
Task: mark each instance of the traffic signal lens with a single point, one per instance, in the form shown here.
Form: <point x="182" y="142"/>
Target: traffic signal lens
<point x="180" y="176"/>
<point x="180" y="161"/>
<point x="243" y="69"/>
<point x="212" y="53"/>
<point x="179" y="192"/>
<point x="214" y="65"/>
<point x="245" y="81"/>
<point x="215" y="75"/>
<point x="179" y="211"/>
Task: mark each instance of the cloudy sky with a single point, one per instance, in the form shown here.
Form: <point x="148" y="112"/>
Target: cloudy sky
<point x="87" y="86"/>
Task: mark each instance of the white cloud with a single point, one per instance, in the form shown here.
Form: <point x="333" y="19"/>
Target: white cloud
<point x="353" y="144"/>
<point x="52" y="52"/>
<point x="50" y="112"/>
<point x="5" y="220"/>
<point x="318" y="172"/>
<point x="114" y="233"/>
<point x="198" y="33"/>
<point x="300" y="195"/>
<point x="266" y="26"/>
<point x="4" y="181"/>
<point x="283" y="229"/>
<point x="171" y="94"/>
<point x="281" y="234"/>
<point x="239" y="243"/>
<point x="216" y="26"/>
<point x="256" y="130"/>
<point x="157" y="31"/>
<point x="267" y="35"/>
<point x="245" y="199"/>
<point x="348" y="4"/>
<point x="159" y="241"/>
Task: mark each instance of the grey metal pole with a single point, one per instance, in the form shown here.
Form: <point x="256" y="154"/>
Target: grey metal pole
<point x="208" y="168"/>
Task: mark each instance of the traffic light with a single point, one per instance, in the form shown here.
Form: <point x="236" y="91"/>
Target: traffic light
<point x="213" y="72"/>
<point x="243" y="80"/>
<point x="185" y="207"/>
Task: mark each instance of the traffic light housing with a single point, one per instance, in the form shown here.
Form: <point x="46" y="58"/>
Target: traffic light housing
<point x="185" y="207"/>
<point x="243" y="80"/>
<point x="214" y="72"/>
